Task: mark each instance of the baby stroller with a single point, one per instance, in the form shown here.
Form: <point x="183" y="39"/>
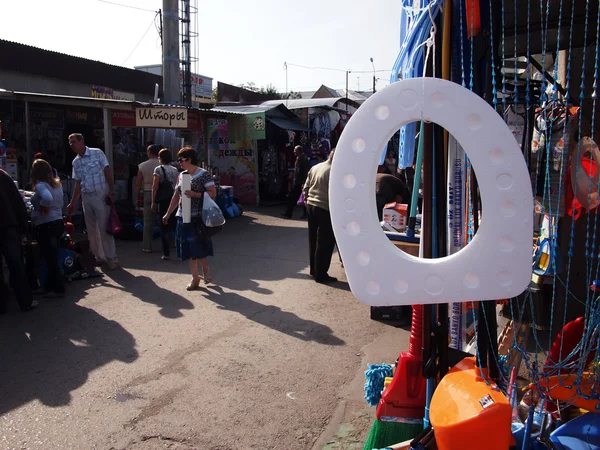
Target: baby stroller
<point x="76" y="260"/>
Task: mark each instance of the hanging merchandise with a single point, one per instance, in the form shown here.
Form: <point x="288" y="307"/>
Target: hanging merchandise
<point x="416" y="21"/>
<point x="585" y="176"/>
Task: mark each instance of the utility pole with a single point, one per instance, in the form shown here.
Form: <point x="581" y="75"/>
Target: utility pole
<point x="373" y="74"/>
<point x="170" y="64"/>
<point x="187" y="56"/>
<point x="347" y="72"/>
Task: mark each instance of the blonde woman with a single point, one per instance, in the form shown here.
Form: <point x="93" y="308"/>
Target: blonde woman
<point x="47" y="220"/>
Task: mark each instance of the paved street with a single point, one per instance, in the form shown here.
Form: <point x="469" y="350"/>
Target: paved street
<point x="264" y="359"/>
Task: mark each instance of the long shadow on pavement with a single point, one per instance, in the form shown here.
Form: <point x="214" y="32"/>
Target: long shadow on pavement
<point x="49" y="352"/>
<point x="148" y="291"/>
<point x="272" y="317"/>
<point x="247" y="252"/>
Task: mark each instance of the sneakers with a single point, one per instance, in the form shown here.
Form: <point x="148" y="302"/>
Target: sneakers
<point x="34" y="304"/>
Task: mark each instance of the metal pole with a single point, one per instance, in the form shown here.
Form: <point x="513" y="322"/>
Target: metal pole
<point x="347" y="72"/>
<point x="171" y="52"/>
<point x="27" y="144"/>
<point x="286" y="83"/>
<point x="371" y="59"/>
<point x="108" y="144"/>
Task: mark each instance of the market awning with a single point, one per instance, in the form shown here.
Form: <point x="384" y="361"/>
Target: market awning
<point x="287" y="124"/>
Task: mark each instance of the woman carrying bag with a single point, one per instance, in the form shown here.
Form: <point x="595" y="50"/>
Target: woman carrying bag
<point x="191" y="245"/>
<point x="163" y="187"/>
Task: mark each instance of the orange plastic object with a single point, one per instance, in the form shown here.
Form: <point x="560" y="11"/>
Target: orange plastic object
<point x="466" y="412"/>
<point x="473" y="16"/>
<point x="404" y="397"/>
<point x="562" y="388"/>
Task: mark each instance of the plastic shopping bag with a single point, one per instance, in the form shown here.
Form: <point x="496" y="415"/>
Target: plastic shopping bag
<point x="211" y="213"/>
<point x="300" y="201"/>
<point x="113" y="225"/>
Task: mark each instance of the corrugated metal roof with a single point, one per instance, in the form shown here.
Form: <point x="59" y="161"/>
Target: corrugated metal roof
<point x="245" y="109"/>
<point x="24" y="58"/>
<point x="305" y="103"/>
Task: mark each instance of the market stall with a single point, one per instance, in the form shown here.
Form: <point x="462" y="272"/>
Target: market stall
<point x="498" y="109"/>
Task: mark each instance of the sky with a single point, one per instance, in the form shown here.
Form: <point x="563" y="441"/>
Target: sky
<point x="239" y="41"/>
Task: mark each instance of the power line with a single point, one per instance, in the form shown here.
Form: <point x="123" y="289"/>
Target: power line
<point x="142" y="38"/>
<point x="336" y="70"/>
<point x="126" y="6"/>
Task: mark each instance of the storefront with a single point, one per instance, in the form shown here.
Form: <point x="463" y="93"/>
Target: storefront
<point x="29" y="127"/>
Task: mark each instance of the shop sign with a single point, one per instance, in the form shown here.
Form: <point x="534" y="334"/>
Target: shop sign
<point x="201" y="86"/>
<point x="74" y="116"/>
<point x="118" y="95"/>
<point x="194" y="121"/>
<point x="124" y="119"/>
<point x="248" y="127"/>
<point x="161" y="117"/>
<point x="235" y="163"/>
<point x="53" y="117"/>
<point x="102" y="92"/>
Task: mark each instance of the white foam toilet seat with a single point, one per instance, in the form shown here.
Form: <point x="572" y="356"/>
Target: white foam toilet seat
<point x="497" y="262"/>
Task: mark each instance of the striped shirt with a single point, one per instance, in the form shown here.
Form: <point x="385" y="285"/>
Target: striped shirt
<point x="89" y="171"/>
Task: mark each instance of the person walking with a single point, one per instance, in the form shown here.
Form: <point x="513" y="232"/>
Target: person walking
<point x="48" y="225"/>
<point x="300" y="172"/>
<point x="164" y="177"/>
<point x="13" y="225"/>
<point x="145" y="179"/>
<point x="321" y="240"/>
<point x="95" y="185"/>
<point x="190" y="245"/>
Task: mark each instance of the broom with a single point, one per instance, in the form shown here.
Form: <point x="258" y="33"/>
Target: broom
<point x="400" y="410"/>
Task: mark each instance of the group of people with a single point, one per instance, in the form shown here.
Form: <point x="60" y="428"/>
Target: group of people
<point x="156" y="176"/>
<point x="94" y="184"/>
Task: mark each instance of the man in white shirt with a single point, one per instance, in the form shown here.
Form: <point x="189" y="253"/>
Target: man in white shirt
<point x="94" y="183"/>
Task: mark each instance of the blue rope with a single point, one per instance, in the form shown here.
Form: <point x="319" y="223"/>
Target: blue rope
<point x="410" y="63"/>
<point x="375" y="377"/>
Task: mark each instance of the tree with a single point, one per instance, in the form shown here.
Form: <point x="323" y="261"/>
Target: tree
<point x="293" y="95"/>
<point x="215" y="94"/>
<point x="269" y="89"/>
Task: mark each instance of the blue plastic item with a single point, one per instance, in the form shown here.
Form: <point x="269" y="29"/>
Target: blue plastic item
<point x="581" y="433"/>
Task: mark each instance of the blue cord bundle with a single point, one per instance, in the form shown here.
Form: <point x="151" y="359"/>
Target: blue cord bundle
<point x="375" y="380"/>
<point x="415" y="27"/>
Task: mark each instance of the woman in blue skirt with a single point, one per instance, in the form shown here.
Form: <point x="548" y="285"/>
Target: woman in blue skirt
<point x="190" y="245"/>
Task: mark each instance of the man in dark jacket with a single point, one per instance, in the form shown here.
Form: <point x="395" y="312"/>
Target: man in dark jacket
<point x="300" y="172"/>
<point x="388" y="189"/>
<point x="13" y="224"/>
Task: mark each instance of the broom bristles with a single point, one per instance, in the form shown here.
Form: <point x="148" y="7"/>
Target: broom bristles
<point x="383" y="434"/>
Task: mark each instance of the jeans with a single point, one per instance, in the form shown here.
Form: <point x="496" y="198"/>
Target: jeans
<point x="48" y="237"/>
<point x="10" y="248"/>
